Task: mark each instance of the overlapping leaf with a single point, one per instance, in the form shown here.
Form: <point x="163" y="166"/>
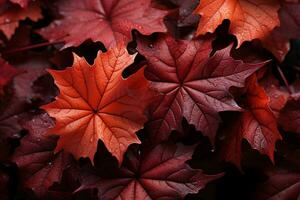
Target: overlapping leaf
<point x="10" y="17"/>
<point x="39" y="166"/>
<point x="257" y="125"/>
<point x="107" y="21"/>
<point x="160" y="174"/>
<point x="193" y="84"/>
<point x="15" y="105"/>
<point x="249" y="19"/>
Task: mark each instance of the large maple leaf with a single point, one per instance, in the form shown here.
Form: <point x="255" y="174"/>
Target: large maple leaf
<point x="95" y="102"/>
<point x="107" y="21"/>
<point x="257" y="125"/>
<point x="249" y="19"/>
<point x="193" y="84"/>
<point x="38" y="164"/>
<point x="10" y="17"/>
<point x="162" y="173"/>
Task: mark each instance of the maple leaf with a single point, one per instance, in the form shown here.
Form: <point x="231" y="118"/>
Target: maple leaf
<point x="9" y="19"/>
<point x="95" y="102"/>
<point x="257" y="125"/>
<point x="15" y="105"/>
<point x="249" y="19"/>
<point x="289" y="117"/>
<point x="278" y="41"/>
<point x="159" y="174"/>
<point x="39" y="166"/>
<point x="193" y="85"/>
<point x="107" y="21"/>
<point x="7" y="72"/>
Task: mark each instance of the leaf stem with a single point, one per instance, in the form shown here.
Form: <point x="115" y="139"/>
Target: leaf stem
<point x="34" y="46"/>
<point x="284" y="79"/>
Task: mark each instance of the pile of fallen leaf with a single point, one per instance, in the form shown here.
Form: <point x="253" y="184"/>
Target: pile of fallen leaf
<point x="149" y="99"/>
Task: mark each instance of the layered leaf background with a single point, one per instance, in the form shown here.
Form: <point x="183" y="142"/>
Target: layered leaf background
<point x="149" y="99"/>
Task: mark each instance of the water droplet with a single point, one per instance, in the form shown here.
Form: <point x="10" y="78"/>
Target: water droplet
<point x="212" y="150"/>
<point x="151" y="46"/>
<point x="49" y="163"/>
<point x="57" y="23"/>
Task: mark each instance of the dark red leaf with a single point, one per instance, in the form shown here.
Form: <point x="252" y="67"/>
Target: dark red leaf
<point x="159" y="174"/>
<point x="193" y="84"/>
<point x="16" y="105"/>
<point x="39" y="166"/>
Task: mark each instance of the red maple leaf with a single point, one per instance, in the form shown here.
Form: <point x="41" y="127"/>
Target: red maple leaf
<point x="193" y="84"/>
<point x="162" y="173"/>
<point x="249" y="19"/>
<point x="95" y="102"/>
<point x="257" y="125"/>
<point x="107" y="21"/>
<point x="39" y="166"/>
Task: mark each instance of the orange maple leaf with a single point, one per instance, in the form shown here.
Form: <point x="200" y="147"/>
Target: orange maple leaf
<point x="249" y="19"/>
<point x="95" y="102"/>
